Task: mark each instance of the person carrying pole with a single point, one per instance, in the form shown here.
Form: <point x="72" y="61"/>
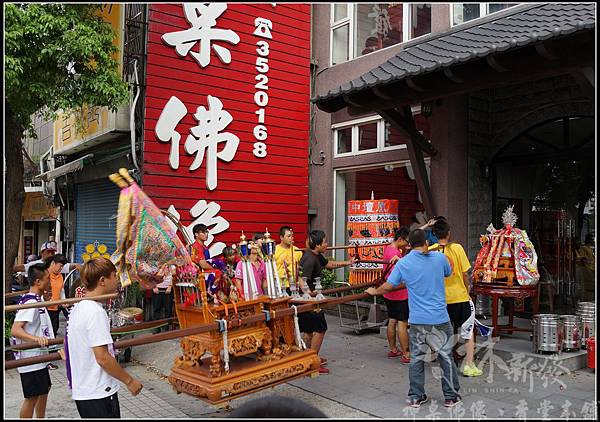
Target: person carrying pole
<point x="34" y="324"/>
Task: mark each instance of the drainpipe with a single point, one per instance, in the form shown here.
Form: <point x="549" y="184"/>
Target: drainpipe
<point x="132" y="117"/>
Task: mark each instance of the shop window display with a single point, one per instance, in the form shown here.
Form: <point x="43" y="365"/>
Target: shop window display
<point x="367" y="137"/>
<point x="344" y="140"/>
<point x="464" y="12"/>
<point x="377" y="26"/>
<point x="420" y="14"/>
<point x="362" y="28"/>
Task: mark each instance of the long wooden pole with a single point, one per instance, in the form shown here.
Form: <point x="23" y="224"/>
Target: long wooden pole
<point x="116" y="331"/>
<point x="154" y="338"/>
<point x="45" y="304"/>
<point x="14" y="294"/>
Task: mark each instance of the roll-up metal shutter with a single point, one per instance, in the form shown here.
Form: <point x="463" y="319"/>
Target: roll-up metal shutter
<point x="97" y="204"/>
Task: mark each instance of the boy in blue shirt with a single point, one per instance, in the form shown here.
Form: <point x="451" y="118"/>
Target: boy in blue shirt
<point x="422" y="273"/>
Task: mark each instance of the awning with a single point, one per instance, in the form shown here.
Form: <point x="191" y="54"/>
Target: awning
<point x="483" y="39"/>
<point x="71" y="167"/>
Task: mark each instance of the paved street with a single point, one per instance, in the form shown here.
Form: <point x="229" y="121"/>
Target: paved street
<point x="363" y="383"/>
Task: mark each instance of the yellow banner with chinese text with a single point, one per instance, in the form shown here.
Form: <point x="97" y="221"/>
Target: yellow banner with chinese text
<point x="36" y="207"/>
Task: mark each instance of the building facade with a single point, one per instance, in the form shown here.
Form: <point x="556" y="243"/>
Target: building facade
<point x="476" y="104"/>
<point x="452" y="109"/>
<point x="216" y="131"/>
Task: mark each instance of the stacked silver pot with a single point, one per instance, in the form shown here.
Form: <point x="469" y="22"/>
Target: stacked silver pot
<point x="547" y="333"/>
<point x="587" y="312"/>
<point x="571" y="332"/>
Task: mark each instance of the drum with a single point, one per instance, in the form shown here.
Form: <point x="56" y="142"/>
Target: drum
<point x="131" y="315"/>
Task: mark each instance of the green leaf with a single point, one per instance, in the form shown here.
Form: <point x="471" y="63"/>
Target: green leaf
<point x="41" y="40"/>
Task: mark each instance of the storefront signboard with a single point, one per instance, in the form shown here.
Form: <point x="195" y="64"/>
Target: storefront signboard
<point x="227" y="116"/>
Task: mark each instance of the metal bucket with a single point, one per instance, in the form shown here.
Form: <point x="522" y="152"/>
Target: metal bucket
<point x="483" y="305"/>
<point x="586" y="308"/>
<point x="571" y="332"/>
<point x="587" y="312"/>
<point x="547" y="333"/>
<point x="588" y="329"/>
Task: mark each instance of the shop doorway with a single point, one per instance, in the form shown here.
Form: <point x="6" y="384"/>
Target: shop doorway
<point x="548" y="174"/>
<point x="35" y="233"/>
<point x="394" y="180"/>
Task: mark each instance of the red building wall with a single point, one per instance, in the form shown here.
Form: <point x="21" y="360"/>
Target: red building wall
<point x="253" y="192"/>
<point x="395" y="184"/>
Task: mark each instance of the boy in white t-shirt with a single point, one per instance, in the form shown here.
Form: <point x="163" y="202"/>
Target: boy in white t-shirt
<point x="33" y="325"/>
<point x="92" y="369"/>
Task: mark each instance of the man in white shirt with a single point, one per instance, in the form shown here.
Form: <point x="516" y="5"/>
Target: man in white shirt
<point x="33" y="325"/>
<point x="92" y="369"/>
<point x="47" y="251"/>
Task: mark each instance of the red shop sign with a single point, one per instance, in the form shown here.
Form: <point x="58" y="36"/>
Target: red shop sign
<point x="227" y="116"/>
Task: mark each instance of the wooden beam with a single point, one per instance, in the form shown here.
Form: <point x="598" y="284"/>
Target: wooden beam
<point x="584" y="77"/>
<point x="413" y="85"/>
<point x="405" y="123"/>
<point x="540" y="142"/>
<point x="493" y="63"/>
<point x="377" y="91"/>
<point x="417" y="162"/>
<point x="415" y="154"/>
<point x="350" y="101"/>
<point x="453" y="76"/>
<point x="544" y="52"/>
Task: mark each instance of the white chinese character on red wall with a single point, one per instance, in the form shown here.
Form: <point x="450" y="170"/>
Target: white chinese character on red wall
<point x="202" y="17"/>
<point x="204" y="213"/>
<point x="205" y="136"/>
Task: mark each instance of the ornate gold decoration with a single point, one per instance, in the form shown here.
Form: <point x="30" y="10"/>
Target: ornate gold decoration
<point x="268" y="378"/>
<point x="186" y="387"/>
<point x="193" y="350"/>
<point x="244" y="345"/>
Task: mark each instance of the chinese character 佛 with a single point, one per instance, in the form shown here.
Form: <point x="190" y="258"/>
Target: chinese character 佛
<point x="205" y="136"/>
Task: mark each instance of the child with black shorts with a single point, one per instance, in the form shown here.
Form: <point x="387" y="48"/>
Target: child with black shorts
<point x="397" y="301"/>
<point x="457" y="296"/>
<point x="34" y="324"/>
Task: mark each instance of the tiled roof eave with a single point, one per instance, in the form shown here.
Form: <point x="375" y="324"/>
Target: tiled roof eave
<point x="451" y="48"/>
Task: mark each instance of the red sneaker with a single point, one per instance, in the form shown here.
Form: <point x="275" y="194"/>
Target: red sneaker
<point x="323" y="361"/>
<point x="392" y="354"/>
<point x="323" y="370"/>
<point x="405" y="359"/>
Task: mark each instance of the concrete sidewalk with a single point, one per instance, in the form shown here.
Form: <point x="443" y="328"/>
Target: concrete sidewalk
<point x="363" y="383"/>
